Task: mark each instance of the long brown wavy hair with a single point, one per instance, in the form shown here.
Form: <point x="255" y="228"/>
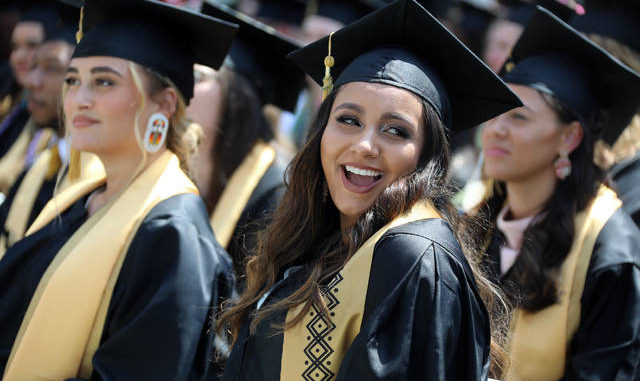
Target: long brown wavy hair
<point x="305" y="229"/>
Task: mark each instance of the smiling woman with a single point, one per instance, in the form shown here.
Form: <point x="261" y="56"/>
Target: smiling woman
<point x="360" y="275"/>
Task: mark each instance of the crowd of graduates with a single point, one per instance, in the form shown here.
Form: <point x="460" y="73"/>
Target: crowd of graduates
<point x="319" y="190"/>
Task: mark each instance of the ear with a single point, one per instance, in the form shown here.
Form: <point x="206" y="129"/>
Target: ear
<point x="167" y="101"/>
<point x="572" y="136"/>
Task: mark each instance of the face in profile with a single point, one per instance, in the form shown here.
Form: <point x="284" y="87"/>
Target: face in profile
<point x="25" y="38"/>
<point x="374" y="136"/>
<point x="100" y="105"/>
<point x="523" y="143"/>
<point x="501" y="38"/>
<point x="45" y="80"/>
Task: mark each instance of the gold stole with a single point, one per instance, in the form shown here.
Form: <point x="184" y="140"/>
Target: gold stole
<point x="58" y="332"/>
<point x="317" y="344"/>
<point x="12" y="163"/>
<point x="236" y="194"/>
<point x="43" y="169"/>
<point x="539" y="340"/>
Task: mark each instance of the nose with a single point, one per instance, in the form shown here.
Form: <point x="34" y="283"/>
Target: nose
<point x="496" y="127"/>
<point x="367" y="144"/>
<point x="81" y="97"/>
<point x="34" y="79"/>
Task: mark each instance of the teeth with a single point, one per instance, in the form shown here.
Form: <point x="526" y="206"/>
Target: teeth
<point x="362" y="172"/>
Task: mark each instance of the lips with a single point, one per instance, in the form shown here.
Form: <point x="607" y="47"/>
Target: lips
<point x="495" y="151"/>
<point x="360" y="179"/>
<point x="82" y="121"/>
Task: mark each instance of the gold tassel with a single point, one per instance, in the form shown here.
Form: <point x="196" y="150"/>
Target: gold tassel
<point x="75" y="166"/>
<point x="79" y="32"/>
<point x="327" y="81"/>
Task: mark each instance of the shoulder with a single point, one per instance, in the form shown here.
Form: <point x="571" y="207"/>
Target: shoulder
<point x="430" y="242"/>
<point x="617" y="244"/>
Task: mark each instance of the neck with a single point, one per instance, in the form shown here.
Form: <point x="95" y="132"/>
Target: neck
<point x="120" y="170"/>
<point x="527" y="197"/>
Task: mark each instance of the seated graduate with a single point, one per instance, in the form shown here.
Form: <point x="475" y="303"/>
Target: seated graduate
<point x="118" y="277"/>
<point x="564" y="252"/>
<point x="18" y="133"/>
<point x="242" y="171"/>
<point x="615" y="25"/>
<point x="359" y="276"/>
<point x="35" y="185"/>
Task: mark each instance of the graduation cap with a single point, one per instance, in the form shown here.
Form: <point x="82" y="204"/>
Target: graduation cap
<point x="68" y="12"/>
<point x="289" y="11"/>
<point x="345" y="11"/>
<point x="520" y="12"/>
<point x="159" y="36"/>
<point x="556" y="59"/>
<point x="403" y="45"/>
<point x="40" y="11"/>
<point x="259" y="54"/>
<point x="617" y="19"/>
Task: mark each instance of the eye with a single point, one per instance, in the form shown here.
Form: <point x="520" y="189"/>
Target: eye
<point x="519" y="116"/>
<point x="348" y="120"/>
<point x="71" y="81"/>
<point x="104" y="82"/>
<point x="396" y="131"/>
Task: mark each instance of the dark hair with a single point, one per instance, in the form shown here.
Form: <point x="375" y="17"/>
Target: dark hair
<point x="532" y="281"/>
<point x="242" y="124"/>
<point x="306" y="229"/>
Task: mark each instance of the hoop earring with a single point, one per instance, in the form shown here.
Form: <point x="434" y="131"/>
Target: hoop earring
<point x="562" y="165"/>
<point x="156" y="132"/>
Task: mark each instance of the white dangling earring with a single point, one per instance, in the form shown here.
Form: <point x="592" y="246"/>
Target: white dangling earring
<point x="156" y="132"/>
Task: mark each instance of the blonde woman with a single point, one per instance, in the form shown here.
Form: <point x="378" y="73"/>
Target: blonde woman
<point x="118" y="277"/>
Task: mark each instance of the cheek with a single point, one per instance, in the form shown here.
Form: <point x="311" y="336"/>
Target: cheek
<point x="330" y="148"/>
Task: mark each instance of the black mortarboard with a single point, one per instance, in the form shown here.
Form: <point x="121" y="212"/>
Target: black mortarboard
<point x="403" y="45"/>
<point x="520" y="12"/>
<point x="259" y="54"/>
<point x="68" y="17"/>
<point x="290" y="11"/>
<point x="617" y="19"/>
<point x="41" y="11"/>
<point x="345" y="11"/>
<point x="552" y="57"/>
<point x="161" y="37"/>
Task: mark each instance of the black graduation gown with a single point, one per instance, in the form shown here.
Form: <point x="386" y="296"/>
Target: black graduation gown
<point x="19" y="118"/>
<point x="626" y="176"/>
<point x="255" y="216"/>
<point x="170" y="285"/>
<point x="607" y="343"/>
<point x="423" y="317"/>
<point x="44" y="195"/>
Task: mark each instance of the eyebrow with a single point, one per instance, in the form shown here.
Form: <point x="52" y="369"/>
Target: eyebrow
<point x="95" y="70"/>
<point x="350" y="106"/>
<point x="400" y="117"/>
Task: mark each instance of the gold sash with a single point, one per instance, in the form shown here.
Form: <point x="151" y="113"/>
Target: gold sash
<point x="43" y="169"/>
<point x="238" y="191"/>
<point x="539" y="340"/>
<point x="65" y="312"/>
<point x="12" y="163"/>
<point x="318" y="344"/>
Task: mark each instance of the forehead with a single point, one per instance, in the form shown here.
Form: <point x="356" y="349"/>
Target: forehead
<point x="385" y="97"/>
<point x="87" y="63"/>
<point x="27" y="30"/>
<point x="58" y="50"/>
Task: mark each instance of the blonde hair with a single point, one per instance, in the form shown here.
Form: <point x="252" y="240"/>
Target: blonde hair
<point x="628" y="142"/>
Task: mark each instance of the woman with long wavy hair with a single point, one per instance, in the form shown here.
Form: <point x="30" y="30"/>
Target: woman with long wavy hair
<point x="359" y="276"/>
<point x="119" y="275"/>
<point x="557" y="241"/>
